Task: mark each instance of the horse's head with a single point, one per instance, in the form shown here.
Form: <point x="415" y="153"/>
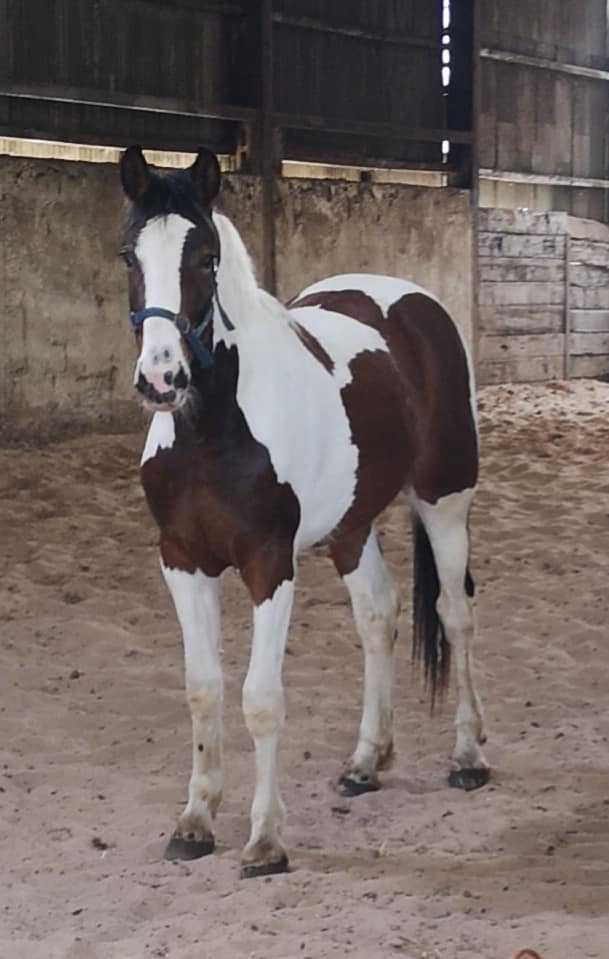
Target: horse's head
<point x="171" y="249"/>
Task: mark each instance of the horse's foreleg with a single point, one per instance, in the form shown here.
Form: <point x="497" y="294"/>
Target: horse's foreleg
<point x="263" y="708"/>
<point x="196" y="601"/>
<point x="445" y="523"/>
<point x="375" y="604"/>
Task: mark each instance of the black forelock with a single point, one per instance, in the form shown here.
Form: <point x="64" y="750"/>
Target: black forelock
<point x="170" y="192"/>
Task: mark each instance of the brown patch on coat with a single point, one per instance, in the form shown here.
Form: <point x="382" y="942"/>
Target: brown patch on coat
<point x="215" y="495"/>
<point x="313" y="345"/>
<point x="430" y="355"/>
<point x="409" y="410"/>
<point x="352" y="303"/>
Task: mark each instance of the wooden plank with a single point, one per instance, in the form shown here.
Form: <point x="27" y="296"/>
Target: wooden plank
<point x="500" y="220"/>
<point x="589" y="366"/>
<point x="545" y="179"/>
<point x="582" y="229"/>
<point x="494" y="243"/>
<point x="522" y="294"/>
<point x="589" y="321"/>
<point x="527" y="369"/>
<point x="589" y="344"/>
<point x="590" y="252"/>
<point x="583" y="274"/>
<point x="502" y="347"/>
<point x="501" y="269"/>
<point x="543" y="63"/>
<point x="583" y="298"/>
<point x="521" y="319"/>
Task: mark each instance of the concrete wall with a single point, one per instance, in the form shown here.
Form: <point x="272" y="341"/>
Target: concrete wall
<point x="67" y="352"/>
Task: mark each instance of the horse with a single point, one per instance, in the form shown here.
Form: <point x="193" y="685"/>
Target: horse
<point x="276" y="428"/>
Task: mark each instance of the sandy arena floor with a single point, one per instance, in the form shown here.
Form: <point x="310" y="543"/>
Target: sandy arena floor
<point x="95" y="731"/>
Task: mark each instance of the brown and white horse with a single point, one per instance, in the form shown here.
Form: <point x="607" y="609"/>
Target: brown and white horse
<point x="276" y="428"/>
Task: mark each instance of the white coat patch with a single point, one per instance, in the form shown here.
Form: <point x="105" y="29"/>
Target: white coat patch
<point x="161" y="436"/>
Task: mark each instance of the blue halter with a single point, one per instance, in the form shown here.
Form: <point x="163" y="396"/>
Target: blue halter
<point x="191" y="334"/>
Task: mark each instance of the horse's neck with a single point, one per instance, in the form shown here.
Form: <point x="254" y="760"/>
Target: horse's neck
<point x="245" y="304"/>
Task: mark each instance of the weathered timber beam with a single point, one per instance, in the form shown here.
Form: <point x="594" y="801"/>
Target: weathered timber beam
<point x="541" y="63"/>
<point x="544" y="179"/>
<point x="168" y="105"/>
<point x="344" y="30"/>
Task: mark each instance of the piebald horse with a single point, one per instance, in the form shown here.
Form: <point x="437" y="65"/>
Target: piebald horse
<point x="276" y="428"/>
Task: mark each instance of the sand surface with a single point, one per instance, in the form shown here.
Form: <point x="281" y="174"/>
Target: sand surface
<point x="95" y="730"/>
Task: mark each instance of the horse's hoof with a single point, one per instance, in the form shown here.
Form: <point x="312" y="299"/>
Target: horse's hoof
<point x="180" y="848"/>
<point x="468" y="779"/>
<point x="352" y="786"/>
<point x="250" y="870"/>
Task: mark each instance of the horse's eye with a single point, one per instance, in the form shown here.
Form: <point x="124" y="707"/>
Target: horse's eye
<point x="128" y="258"/>
<point x="206" y="262"/>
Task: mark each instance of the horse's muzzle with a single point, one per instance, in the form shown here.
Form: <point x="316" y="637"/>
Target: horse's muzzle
<point x="162" y="400"/>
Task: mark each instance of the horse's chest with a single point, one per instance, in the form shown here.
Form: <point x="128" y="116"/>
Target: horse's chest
<point x="220" y="503"/>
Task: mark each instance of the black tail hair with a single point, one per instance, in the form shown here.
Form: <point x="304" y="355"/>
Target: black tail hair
<point x="429" y="641"/>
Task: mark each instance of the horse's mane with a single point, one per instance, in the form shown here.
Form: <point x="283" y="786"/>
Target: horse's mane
<point x="237" y="283"/>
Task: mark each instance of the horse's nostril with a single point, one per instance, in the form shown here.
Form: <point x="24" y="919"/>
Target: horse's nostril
<point x="181" y="380"/>
<point x="168" y="377"/>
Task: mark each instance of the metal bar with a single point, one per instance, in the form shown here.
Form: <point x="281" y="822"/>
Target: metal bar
<point x="344" y="30"/>
<point x="545" y="179"/>
<point x="169" y="105"/>
<point x="507" y="56"/>
<point x="268" y="148"/>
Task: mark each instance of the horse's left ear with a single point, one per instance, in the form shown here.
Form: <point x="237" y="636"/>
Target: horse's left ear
<point x="205" y="176"/>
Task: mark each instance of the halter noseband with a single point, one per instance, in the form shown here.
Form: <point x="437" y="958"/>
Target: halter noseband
<point x="191" y="334"/>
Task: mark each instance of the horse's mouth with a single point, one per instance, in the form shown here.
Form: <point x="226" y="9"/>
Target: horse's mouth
<point x="155" y="401"/>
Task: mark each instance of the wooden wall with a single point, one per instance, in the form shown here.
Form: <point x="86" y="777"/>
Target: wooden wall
<point x="588" y="298"/>
<point x="536" y="119"/>
<point x="543" y="296"/>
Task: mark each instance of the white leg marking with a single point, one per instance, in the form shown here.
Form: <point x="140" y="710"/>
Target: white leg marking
<point x="161" y="436"/>
<point x="446" y="525"/>
<point x="196" y="601"/>
<point x="375" y="604"/>
<point x="263" y="708"/>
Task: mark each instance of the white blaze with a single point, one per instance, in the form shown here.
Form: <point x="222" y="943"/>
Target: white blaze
<point x="159" y="250"/>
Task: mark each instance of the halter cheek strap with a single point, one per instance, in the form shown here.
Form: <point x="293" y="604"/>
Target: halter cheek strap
<point x="191" y="334"/>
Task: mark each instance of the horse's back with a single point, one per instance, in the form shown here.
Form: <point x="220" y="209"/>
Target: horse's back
<point x="431" y="359"/>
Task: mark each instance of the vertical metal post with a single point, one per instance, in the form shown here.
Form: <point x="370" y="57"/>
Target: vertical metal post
<point x="267" y="141"/>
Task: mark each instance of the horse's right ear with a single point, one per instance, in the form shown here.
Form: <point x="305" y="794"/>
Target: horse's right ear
<point x="205" y="175"/>
<point x="135" y="173"/>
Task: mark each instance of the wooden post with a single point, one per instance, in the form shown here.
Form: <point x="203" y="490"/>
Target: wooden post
<point x="475" y="178"/>
<point x="267" y="142"/>
<point x="567" y="317"/>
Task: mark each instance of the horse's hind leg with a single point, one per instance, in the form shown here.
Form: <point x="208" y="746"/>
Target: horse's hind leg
<point x="445" y="528"/>
<point x="196" y="601"/>
<point x="375" y="605"/>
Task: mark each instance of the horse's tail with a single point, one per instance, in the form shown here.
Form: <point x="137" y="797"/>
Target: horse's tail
<point x="429" y="642"/>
